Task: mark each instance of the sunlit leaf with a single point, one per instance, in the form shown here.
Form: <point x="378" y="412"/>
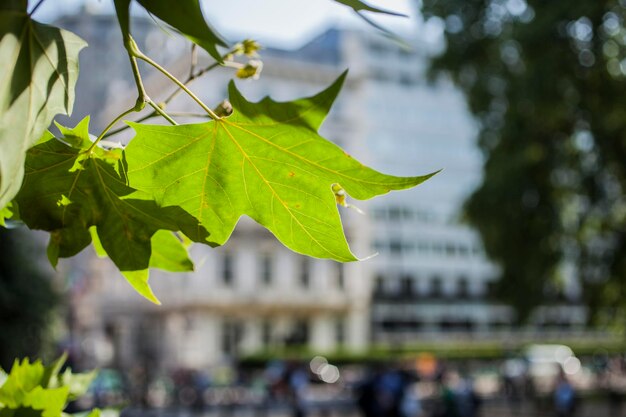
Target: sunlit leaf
<point x="266" y="161"/>
<point x="32" y="389"/>
<point x="39" y="68"/>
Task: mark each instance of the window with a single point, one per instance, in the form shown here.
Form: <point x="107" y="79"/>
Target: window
<point x="379" y="246"/>
<point x="299" y="333"/>
<point x="340" y="331"/>
<point x="463" y="287"/>
<point x="227" y="269"/>
<point x="379" y="285"/>
<point x="305" y="272"/>
<point x="395" y="247"/>
<point x="266" y="333"/>
<point x="232" y="332"/>
<point x="395" y="213"/>
<point x="406" y="79"/>
<point x="341" y="278"/>
<point x="407" y="285"/>
<point x="266" y="270"/>
<point x="436" y="287"/>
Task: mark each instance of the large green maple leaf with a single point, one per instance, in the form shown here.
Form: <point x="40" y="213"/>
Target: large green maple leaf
<point x="38" y="72"/>
<point x="77" y="193"/>
<point x="266" y="161"/>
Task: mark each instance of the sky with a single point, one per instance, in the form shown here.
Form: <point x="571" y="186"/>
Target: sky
<point x="280" y="23"/>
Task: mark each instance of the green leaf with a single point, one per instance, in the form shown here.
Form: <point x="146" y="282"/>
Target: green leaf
<point x="359" y="6"/>
<point x="34" y="390"/>
<point x="5" y="214"/>
<point x="51" y="372"/>
<point x="50" y="401"/>
<point x="23" y="390"/>
<point x="38" y="69"/>
<point x="23" y="378"/>
<point x="185" y="16"/>
<point x="69" y="189"/>
<point x="169" y="253"/>
<point x="266" y="161"/>
<point x="77" y="384"/>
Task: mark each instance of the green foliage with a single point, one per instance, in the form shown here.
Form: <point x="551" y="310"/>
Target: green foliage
<point x="220" y="170"/>
<point x="33" y="389"/>
<point x="545" y="82"/>
<point x="70" y="187"/>
<point x="173" y="184"/>
<point x="39" y="70"/>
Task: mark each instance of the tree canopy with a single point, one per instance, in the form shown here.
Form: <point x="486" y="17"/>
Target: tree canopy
<point x="546" y="82"/>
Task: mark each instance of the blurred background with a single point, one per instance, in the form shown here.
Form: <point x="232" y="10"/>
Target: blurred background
<point x="497" y="287"/>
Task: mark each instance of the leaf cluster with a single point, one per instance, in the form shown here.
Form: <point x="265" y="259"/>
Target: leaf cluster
<point x="32" y="389"/>
<point x="141" y="206"/>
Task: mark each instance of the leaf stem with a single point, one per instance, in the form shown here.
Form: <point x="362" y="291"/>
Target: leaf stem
<point x="134" y="51"/>
<point x="109" y="126"/>
<point x="194" y="60"/>
<point x="160" y="112"/>
<point x="142" y="96"/>
<point x="190" y="78"/>
<point x="34" y="9"/>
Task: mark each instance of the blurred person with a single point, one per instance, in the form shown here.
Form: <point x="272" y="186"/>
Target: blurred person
<point x="467" y="401"/>
<point x="411" y="405"/>
<point x="614" y="382"/>
<point x="298" y="383"/>
<point x="446" y="403"/>
<point x="564" y="396"/>
<point x="514" y="383"/>
<point x="387" y="393"/>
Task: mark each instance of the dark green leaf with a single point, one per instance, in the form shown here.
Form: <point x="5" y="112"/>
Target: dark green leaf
<point x="183" y="15"/>
<point x="266" y="161"/>
<point x="38" y="69"/>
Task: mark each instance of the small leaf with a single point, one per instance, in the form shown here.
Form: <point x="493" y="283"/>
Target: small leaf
<point x="23" y="378"/>
<point x="266" y="161"/>
<point x="169" y="253"/>
<point x="139" y="281"/>
<point x="52" y="371"/>
<point x="38" y="72"/>
<point x="183" y="15"/>
<point x="77" y="384"/>
<point x="186" y="16"/>
<point x="358" y="6"/>
<point x="5" y="214"/>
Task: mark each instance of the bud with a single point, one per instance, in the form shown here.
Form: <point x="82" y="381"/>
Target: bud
<point x="247" y="47"/>
<point x="223" y="109"/>
<point x="251" y="70"/>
